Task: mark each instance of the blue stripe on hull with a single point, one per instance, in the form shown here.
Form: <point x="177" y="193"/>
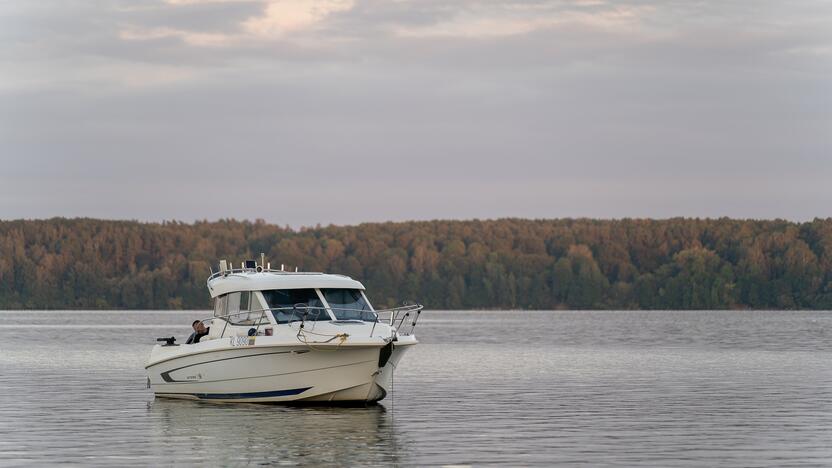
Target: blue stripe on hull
<point x="235" y="396"/>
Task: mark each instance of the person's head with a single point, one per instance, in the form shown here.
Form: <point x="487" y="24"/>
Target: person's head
<point x="198" y="326"/>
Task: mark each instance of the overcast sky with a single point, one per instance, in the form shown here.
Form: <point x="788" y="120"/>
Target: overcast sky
<point x="344" y="111"/>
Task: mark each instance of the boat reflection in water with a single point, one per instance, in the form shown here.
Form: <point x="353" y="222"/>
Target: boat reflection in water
<point x="222" y="435"/>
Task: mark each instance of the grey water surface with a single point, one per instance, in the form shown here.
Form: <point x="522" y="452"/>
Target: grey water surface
<point x="727" y="388"/>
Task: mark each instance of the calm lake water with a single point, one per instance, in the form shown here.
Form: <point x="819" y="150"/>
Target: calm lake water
<point x="483" y="388"/>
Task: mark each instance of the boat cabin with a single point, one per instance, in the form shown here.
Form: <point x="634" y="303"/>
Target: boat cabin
<point x="261" y="298"/>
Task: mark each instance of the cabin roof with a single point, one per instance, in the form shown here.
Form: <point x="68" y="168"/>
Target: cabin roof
<point x="253" y="281"/>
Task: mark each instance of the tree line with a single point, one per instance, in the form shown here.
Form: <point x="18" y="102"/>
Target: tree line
<point x="678" y="263"/>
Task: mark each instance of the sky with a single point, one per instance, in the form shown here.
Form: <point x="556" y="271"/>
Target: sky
<point x="305" y="112"/>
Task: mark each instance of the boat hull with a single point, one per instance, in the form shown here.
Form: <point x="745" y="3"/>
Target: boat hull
<point x="278" y="374"/>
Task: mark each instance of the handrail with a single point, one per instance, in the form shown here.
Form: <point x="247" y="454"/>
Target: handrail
<point x="303" y="311"/>
<point x="232" y="271"/>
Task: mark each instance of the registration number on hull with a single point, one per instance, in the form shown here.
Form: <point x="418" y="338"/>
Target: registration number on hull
<point x="241" y="341"/>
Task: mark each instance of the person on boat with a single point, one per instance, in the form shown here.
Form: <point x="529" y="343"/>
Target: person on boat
<point x="200" y="330"/>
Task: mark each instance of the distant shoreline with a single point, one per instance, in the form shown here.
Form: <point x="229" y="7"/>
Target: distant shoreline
<point x="507" y="311"/>
<point x="512" y="263"/>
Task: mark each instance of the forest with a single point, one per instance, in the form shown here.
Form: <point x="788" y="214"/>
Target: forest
<point x="679" y="263"/>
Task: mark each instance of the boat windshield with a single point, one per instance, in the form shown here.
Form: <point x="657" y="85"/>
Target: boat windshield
<point x="349" y="304"/>
<point x="287" y="299"/>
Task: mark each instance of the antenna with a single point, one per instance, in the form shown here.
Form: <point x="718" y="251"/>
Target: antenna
<point x="281" y="267"/>
<point x="224" y="267"/>
<point x="262" y="259"/>
<point x="296" y="269"/>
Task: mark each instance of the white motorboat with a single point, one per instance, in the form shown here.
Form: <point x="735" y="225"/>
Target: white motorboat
<point x="279" y="336"/>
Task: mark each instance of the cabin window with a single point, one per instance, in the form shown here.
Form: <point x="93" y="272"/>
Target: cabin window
<point x="349" y="304"/>
<point x="219" y="305"/>
<point x="239" y="309"/>
<point x="245" y="300"/>
<point x="233" y="303"/>
<point x="285" y="300"/>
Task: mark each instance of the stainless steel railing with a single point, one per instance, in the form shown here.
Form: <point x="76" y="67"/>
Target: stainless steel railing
<point x="403" y="318"/>
<point x="232" y="271"/>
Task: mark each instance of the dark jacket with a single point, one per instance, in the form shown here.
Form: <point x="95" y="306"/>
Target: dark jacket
<point x="195" y="337"/>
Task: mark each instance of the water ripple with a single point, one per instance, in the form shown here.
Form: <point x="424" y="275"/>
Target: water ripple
<point x="483" y="388"/>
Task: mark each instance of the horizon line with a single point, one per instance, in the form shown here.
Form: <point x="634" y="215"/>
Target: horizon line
<point x="260" y="221"/>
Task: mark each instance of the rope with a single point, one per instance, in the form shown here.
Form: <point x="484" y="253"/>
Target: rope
<point x="301" y="336"/>
<point x="392" y="393"/>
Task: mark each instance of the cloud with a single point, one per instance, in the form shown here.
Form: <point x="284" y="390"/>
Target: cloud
<point x="274" y="21"/>
<point x="509" y="20"/>
<point x="378" y="109"/>
<point x="188" y="37"/>
<point x="284" y="16"/>
<point x="204" y="2"/>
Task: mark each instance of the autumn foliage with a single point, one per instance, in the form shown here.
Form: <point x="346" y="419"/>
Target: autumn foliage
<point x="496" y="264"/>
